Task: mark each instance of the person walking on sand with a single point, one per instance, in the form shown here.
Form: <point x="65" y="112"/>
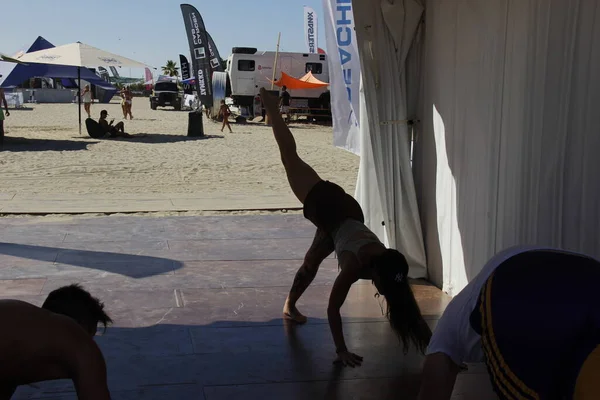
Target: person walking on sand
<point x="225" y="112"/>
<point x="284" y="103"/>
<point x="340" y="227"/>
<point x="86" y="97"/>
<point x="2" y="116"/>
<point x="128" y="102"/>
<point x="123" y="103"/>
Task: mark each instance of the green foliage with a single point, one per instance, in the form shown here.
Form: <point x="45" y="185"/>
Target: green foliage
<point x="171" y="69"/>
<point x="138" y="87"/>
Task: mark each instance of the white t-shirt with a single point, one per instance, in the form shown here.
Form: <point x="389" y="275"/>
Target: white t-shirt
<point x="453" y="334"/>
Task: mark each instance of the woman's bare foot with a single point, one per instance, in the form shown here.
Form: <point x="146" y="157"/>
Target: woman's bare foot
<point x="291" y="313"/>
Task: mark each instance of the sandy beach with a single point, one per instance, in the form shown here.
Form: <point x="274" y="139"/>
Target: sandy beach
<point x="45" y="155"/>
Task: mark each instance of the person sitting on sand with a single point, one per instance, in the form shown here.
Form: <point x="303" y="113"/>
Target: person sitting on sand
<point x="225" y="112"/>
<point x="117" y="130"/>
<point x="53" y="342"/>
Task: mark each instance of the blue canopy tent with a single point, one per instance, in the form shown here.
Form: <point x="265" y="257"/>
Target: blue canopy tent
<point x="68" y="74"/>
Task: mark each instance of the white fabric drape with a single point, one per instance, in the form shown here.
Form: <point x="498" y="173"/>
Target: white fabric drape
<point x="385" y="32"/>
<point x="511" y="131"/>
<point x="367" y="191"/>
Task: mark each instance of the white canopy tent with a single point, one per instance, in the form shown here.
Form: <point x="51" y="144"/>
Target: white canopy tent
<point x="8" y="59"/>
<point x="79" y="55"/>
<point x="7" y="64"/>
<point x="507" y="94"/>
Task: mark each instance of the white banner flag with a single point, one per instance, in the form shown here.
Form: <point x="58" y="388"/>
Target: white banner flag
<point x="344" y="73"/>
<point x="311" y="30"/>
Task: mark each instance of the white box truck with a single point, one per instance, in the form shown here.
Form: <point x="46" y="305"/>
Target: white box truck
<point x="248" y="70"/>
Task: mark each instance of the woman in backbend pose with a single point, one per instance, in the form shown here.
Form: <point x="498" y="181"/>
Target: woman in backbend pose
<point x="340" y="227"/>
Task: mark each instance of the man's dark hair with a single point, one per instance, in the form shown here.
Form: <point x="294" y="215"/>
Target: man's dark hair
<point x="77" y="303"/>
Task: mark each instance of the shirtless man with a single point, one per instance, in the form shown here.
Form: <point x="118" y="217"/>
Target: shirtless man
<point x="2" y="101"/>
<point x="53" y="342"/>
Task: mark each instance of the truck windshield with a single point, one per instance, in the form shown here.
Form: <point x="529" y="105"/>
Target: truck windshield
<point x="166" y="87"/>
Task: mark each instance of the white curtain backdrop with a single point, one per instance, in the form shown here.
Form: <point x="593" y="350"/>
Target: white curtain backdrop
<point x="385" y="32"/>
<point x="510" y="142"/>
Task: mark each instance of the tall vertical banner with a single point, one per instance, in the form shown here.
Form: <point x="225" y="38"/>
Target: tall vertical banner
<point x="311" y="30"/>
<point x="198" y="41"/>
<point x="149" y="78"/>
<point x="185" y="73"/>
<point x="215" y="57"/>
<point x="185" y="67"/>
<point x="344" y="73"/>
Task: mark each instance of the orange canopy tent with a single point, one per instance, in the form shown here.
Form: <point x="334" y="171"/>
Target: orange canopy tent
<point x="308" y="81"/>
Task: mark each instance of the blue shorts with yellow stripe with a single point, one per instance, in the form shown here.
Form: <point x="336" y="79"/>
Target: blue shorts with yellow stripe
<point x="539" y="319"/>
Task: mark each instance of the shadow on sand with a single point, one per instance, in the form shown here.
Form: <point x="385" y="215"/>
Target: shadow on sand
<point x="153" y="138"/>
<point x="166" y="138"/>
<point x="20" y="144"/>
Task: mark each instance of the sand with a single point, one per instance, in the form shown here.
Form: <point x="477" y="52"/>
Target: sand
<point x="44" y="155"/>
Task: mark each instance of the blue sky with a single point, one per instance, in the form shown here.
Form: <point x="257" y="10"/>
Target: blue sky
<point x="152" y="31"/>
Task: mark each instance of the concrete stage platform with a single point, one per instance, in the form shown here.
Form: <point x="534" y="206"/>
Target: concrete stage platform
<point x="14" y="204"/>
<point x="197" y="307"/>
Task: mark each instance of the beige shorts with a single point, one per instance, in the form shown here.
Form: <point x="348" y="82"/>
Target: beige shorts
<point x="284" y="109"/>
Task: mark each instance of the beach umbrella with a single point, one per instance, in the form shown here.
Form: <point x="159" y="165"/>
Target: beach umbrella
<point x="79" y="55"/>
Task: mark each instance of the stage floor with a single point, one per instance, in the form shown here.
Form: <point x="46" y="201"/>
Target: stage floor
<point x="197" y="307"/>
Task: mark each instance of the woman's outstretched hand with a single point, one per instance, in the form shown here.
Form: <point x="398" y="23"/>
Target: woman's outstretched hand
<point x="270" y="103"/>
<point x="348" y="359"/>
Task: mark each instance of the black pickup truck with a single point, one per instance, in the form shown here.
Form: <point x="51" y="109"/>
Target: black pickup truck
<point x="165" y="94"/>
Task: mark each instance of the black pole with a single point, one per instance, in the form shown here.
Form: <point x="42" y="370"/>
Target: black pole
<point x="79" y="96"/>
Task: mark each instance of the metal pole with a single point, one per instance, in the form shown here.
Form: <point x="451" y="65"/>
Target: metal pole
<point x="79" y="96"/>
<point x="275" y="63"/>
